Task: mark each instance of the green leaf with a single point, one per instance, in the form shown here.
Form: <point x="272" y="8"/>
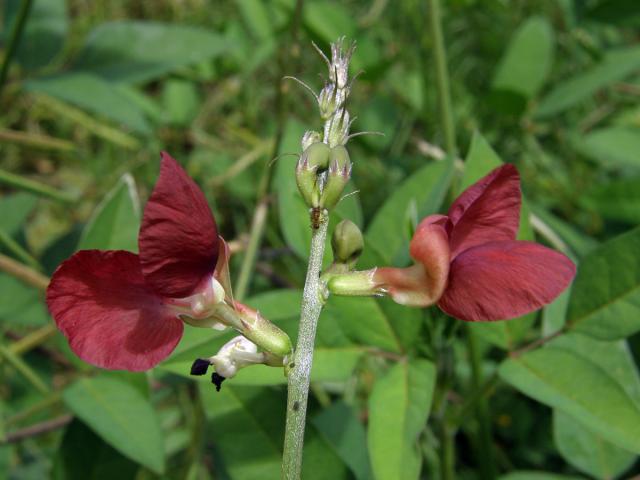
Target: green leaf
<point x="139" y="51"/>
<point x="614" y="66"/>
<point x="247" y="424"/>
<point x="613" y="147"/>
<point x="616" y="200"/>
<point x="15" y="208"/>
<point x="121" y="415"/>
<point x="329" y="20"/>
<point x="398" y="409"/>
<point x="256" y="16"/>
<point x="21" y="304"/>
<point x="364" y="322"/>
<point x="115" y="222"/>
<point x="605" y="298"/>
<point x="566" y="380"/>
<point x="531" y="475"/>
<point x="44" y="33"/>
<point x="587" y="451"/>
<point x="84" y="456"/>
<point x="527" y="62"/>
<point x="293" y="212"/>
<point x="480" y="160"/>
<point x="340" y="426"/>
<point x="94" y="94"/>
<point x="386" y="238"/>
<point x="620" y="12"/>
<point x="181" y="102"/>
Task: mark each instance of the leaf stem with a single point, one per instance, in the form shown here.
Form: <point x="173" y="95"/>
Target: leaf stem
<point x="38" y="188"/>
<point x="23" y="273"/>
<point x="14" y="39"/>
<point x="25" y="370"/>
<point x="300" y="374"/>
<point x="484" y="439"/>
<point x="442" y="77"/>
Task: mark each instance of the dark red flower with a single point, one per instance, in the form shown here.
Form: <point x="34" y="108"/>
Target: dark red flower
<point x="470" y="263"/>
<point x="120" y="310"/>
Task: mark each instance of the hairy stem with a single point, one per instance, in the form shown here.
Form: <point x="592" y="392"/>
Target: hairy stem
<point x="300" y="374"/>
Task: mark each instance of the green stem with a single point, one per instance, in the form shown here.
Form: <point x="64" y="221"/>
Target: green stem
<point x="21" y="366"/>
<point x="33" y="339"/>
<point x="23" y="273"/>
<point x="447" y="453"/>
<point x="442" y="77"/>
<point x="484" y="440"/>
<point x="14" y="39"/>
<point x="38" y="188"/>
<point x="260" y="215"/>
<point x="300" y="374"/>
<point x="18" y="250"/>
<point x="255" y="238"/>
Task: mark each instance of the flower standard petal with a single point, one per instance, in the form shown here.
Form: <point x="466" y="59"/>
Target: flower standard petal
<point x="111" y="318"/>
<point x="502" y="280"/>
<point x="178" y="239"/>
<point x="489" y="210"/>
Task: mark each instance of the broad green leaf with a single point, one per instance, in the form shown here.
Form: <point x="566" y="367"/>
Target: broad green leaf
<point x="480" y="160"/>
<point x="256" y="16"/>
<point x="44" y="32"/>
<point x="588" y="451"/>
<point x="83" y="455"/>
<point x="15" y="209"/>
<point x="121" y="415"/>
<point x="181" y="102"/>
<point x="115" y="222"/>
<point x="534" y="475"/>
<point x="615" y="65"/>
<point x="293" y="212"/>
<point x="616" y="200"/>
<point x="605" y="297"/>
<point x="527" y="62"/>
<point x="247" y="425"/>
<point x="579" y="242"/>
<point x="138" y="51"/>
<point x="21" y="304"/>
<point x="94" y="94"/>
<point x="340" y="426"/>
<point x="398" y="409"/>
<point x="364" y="322"/>
<point x="612" y="147"/>
<point x="329" y="20"/>
<point x="568" y="381"/>
<point x="387" y="237"/>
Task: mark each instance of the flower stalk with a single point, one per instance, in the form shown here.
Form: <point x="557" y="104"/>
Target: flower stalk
<point x="300" y="372"/>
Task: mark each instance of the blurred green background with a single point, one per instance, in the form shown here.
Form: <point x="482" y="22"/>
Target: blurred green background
<point x="97" y="89"/>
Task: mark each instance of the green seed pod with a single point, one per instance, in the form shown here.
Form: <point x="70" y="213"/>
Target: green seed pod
<point x="338" y="176"/>
<point x="347" y="243"/>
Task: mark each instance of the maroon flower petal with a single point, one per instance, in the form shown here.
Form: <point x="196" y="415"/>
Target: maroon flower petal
<point x="430" y="247"/>
<point x="112" y="319"/>
<point x="178" y="239"/>
<point x="502" y="280"/>
<point x="489" y="210"/>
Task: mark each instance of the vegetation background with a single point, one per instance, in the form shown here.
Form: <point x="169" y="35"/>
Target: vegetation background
<point x="97" y="88"/>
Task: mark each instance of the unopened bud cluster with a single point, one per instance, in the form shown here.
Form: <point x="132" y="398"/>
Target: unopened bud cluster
<point x="324" y="168"/>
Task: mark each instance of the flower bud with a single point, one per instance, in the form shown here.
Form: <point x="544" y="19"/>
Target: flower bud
<point x="347" y="243"/>
<point x="262" y="332"/>
<point x="313" y="160"/>
<point x="339" y="67"/>
<point x="337" y="177"/>
<point x="330" y="100"/>
<point x="337" y="129"/>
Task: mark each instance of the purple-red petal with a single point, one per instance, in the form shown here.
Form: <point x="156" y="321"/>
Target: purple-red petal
<point x="178" y="239"/>
<point x="111" y="318"/>
<point x="502" y="280"/>
<point x="489" y="210"/>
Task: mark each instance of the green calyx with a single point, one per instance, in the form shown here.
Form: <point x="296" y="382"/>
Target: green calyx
<point x="338" y="176"/>
<point x="347" y="243"/>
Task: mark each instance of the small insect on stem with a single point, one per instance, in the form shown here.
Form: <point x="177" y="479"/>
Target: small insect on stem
<point x="316" y="217"/>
